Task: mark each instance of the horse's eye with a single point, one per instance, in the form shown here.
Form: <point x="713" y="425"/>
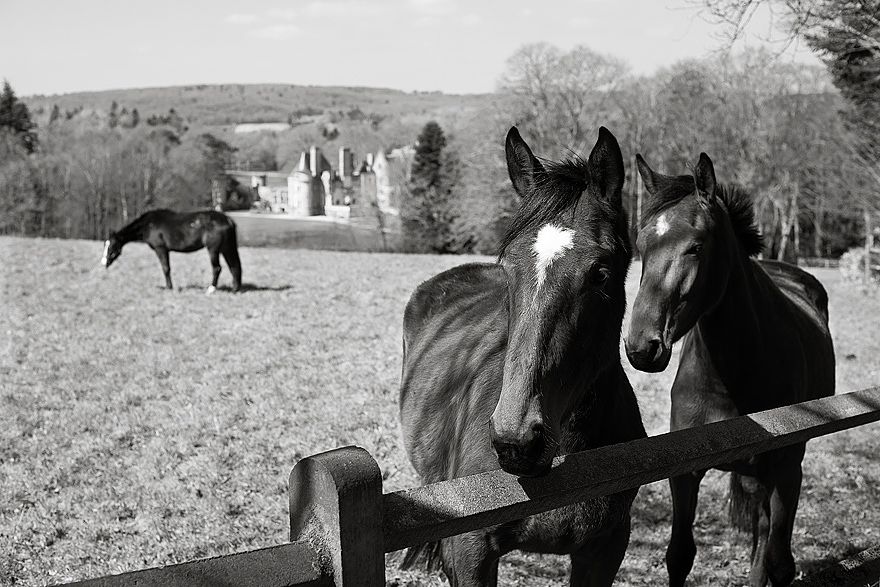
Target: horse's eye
<point x="598" y="276"/>
<point x="695" y="249"/>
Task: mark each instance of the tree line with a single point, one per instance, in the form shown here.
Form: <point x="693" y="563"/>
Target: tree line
<point x="802" y="140"/>
<point x="84" y="174"/>
<point x="805" y="141"/>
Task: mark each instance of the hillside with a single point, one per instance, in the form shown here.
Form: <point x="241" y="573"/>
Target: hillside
<point x="230" y="104"/>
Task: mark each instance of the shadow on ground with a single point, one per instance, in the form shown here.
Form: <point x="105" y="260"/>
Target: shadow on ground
<point x="245" y="287"/>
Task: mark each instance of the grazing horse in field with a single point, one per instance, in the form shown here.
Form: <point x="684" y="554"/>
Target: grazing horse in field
<point x="166" y="230"/>
<point x="755" y="336"/>
<point x="514" y="362"/>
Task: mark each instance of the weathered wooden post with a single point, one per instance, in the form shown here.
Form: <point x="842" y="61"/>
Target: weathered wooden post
<point x="336" y="505"/>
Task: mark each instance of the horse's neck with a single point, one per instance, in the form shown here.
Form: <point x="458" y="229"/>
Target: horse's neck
<point x="134" y="231"/>
<point x="732" y="334"/>
<point x="607" y="414"/>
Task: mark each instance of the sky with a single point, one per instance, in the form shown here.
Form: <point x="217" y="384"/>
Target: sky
<point x="455" y="46"/>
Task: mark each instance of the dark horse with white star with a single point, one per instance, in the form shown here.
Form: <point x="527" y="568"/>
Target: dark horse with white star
<point x="515" y="362"/>
<point x="754" y="336"/>
<point x="166" y="230"/>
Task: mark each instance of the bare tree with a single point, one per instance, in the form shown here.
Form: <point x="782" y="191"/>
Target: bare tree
<point x="562" y="97"/>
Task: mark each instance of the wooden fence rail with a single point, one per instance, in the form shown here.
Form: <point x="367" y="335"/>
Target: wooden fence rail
<point x="342" y="524"/>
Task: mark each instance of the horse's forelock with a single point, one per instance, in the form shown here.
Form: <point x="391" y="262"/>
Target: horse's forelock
<point x="736" y="202"/>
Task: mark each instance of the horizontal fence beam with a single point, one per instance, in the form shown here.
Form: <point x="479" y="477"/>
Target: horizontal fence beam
<point x="287" y="565"/>
<point x="429" y="513"/>
<point x="860" y="570"/>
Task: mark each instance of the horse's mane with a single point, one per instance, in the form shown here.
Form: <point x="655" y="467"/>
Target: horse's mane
<point x="559" y="186"/>
<point x="134" y="228"/>
<point x="736" y="199"/>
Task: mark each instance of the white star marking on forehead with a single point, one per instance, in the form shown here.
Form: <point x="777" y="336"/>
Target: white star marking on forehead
<point x="550" y="244"/>
<point x="662" y="225"/>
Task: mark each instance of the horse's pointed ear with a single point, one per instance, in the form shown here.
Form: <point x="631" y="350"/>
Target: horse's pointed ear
<point x="648" y="176"/>
<point x="522" y="165"/>
<point x="112" y="235"/>
<point x="606" y="165"/>
<point x="704" y="177"/>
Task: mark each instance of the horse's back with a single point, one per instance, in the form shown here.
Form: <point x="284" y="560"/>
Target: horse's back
<point x="188" y="231"/>
<point x="808" y="304"/>
<point x="173" y="218"/>
<point x="455" y="336"/>
<point x="801" y="287"/>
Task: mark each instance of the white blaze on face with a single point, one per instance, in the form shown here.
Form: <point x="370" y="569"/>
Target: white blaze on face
<point x="104" y="255"/>
<point x="551" y="243"/>
<point x="662" y="225"/>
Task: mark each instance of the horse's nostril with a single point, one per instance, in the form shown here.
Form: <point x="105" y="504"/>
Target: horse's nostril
<point x="537" y="431"/>
<point x="536" y="446"/>
<point x="506" y="451"/>
<point x="655" y="349"/>
<point x="526" y="450"/>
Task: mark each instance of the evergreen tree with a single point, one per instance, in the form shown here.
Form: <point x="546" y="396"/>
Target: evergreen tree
<point x="15" y="118"/>
<point x="135" y="117"/>
<point x="429" y="212"/>
<point x="428" y="158"/>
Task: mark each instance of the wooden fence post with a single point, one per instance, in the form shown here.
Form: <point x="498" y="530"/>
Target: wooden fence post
<point x="336" y="505"/>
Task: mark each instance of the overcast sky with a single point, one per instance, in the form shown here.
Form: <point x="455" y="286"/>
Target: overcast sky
<point x="457" y="46"/>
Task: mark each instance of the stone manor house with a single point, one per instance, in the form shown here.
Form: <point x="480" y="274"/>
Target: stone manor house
<point x="312" y="187"/>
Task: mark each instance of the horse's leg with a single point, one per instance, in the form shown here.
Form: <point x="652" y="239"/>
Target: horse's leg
<point x="468" y="561"/>
<point x="162" y="253"/>
<point x="597" y="563"/>
<point x="214" y="252"/>
<point x="760" y="532"/>
<point x="784" y="496"/>
<point x="681" y="550"/>
<point x="230" y="253"/>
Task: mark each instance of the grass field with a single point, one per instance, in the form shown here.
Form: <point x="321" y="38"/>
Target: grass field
<point x="141" y="427"/>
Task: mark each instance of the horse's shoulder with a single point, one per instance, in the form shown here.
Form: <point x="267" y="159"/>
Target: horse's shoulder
<point x="446" y="291"/>
<point x="454" y="335"/>
<point x="799" y="286"/>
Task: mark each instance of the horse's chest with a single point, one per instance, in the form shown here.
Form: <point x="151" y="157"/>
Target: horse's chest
<point x="693" y="406"/>
<point x="567" y="529"/>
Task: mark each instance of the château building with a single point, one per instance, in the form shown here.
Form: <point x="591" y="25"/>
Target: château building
<point x="311" y="186"/>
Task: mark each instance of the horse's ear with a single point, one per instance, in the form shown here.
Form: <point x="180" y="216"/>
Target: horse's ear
<point x="704" y="177"/>
<point x="112" y="235"/>
<point x="606" y="165"/>
<point x="522" y="165"/>
<point x="648" y="176"/>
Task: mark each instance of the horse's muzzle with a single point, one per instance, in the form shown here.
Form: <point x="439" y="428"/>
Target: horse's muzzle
<point x="527" y="457"/>
<point x="649" y="354"/>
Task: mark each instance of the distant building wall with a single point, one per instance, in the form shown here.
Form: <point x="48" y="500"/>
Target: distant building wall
<point x="299" y="190"/>
<point x="384" y="188"/>
<point x="346" y="166"/>
<point x="316" y="197"/>
<point x="368" y="187"/>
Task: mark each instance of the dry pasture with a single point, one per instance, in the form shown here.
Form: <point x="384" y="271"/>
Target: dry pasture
<point x="141" y="427"/>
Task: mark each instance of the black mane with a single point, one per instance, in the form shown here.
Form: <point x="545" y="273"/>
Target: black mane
<point x="559" y="186"/>
<point x="736" y="199"/>
<point x="134" y="229"/>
